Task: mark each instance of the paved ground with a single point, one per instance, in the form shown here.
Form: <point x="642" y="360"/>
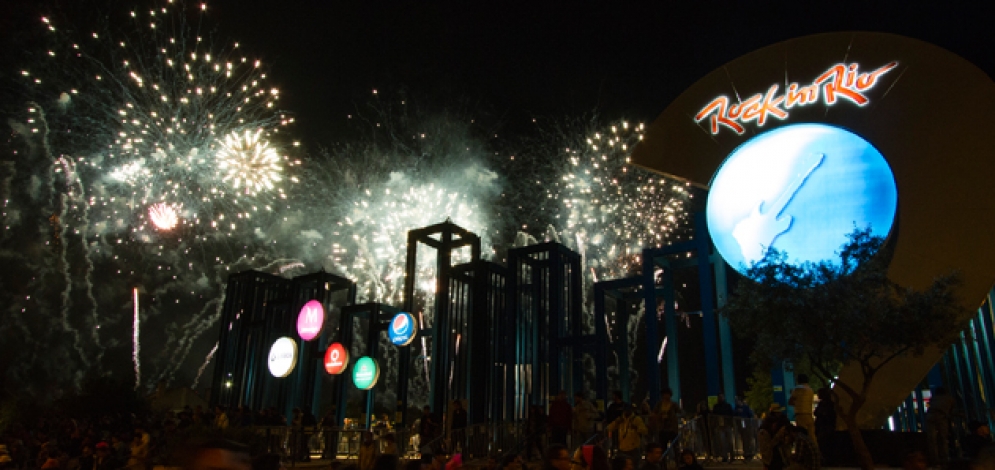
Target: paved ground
<point x="735" y="465"/>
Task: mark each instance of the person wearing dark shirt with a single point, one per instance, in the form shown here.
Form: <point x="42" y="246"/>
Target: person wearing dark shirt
<point x="825" y="413"/>
<point x="104" y="459"/>
<point x="722" y="425"/>
<point x="979" y="440"/>
<point x="427" y="429"/>
<point x="560" y="419"/>
<point x="615" y="409"/>
<point x="654" y="457"/>
<point x="689" y="461"/>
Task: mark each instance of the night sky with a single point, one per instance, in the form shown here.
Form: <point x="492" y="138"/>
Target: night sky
<point x="518" y="61"/>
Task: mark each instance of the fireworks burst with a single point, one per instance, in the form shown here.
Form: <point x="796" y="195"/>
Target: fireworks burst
<point x="163" y="216"/>
<point x="249" y="163"/>
<point x="134" y="130"/>
<point x="155" y="113"/>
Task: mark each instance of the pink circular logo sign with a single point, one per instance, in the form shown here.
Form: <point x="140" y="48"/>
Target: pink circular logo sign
<point x="310" y="320"/>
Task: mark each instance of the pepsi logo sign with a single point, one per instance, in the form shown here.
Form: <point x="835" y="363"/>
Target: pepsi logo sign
<point x="402" y="329"/>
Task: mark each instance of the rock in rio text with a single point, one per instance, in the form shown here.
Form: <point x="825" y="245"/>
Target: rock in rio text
<point x="840" y="82"/>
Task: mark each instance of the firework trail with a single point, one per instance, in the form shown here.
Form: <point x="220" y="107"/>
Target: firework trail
<point x="136" y="326"/>
<point x="165" y="157"/>
<point x="203" y="367"/>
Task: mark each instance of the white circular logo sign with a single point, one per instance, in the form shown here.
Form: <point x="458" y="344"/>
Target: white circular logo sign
<point x="282" y="357"/>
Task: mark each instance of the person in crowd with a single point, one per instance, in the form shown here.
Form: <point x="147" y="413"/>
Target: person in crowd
<point x="390" y="444"/>
<point x="455" y="463"/>
<point x="654" y="457"/>
<point x="622" y="462"/>
<point x="459" y="420"/>
<point x="689" y="461"/>
<point x="979" y="439"/>
<point x="941" y="407"/>
<point x="914" y="460"/>
<point x="803" y="399"/>
<point x="413" y="464"/>
<point x="560" y="419"/>
<point x="512" y="462"/>
<point x="103" y="458"/>
<point x="825" y="413"/>
<point x="121" y="447"/>
<point x="630" y="429"/>
<point x="722" y="426"/>
<point x="805" y="455"/>
<point x="267" y="461"/>
<point x="584" y="415"/>
<point x="746" y="428"/>
<point x="139" y="456"/>
<point x="85" y="460"/>
<point x="368" y="451"/>
<point x="219" y="454"/>
<point x="6" y="462"/>
<point x="386" y="462"/>
<point x="330" y="435"/>
<point x="667" y="414"/>
<point x="556" y="457"/>
<point x="598" y="458"/>
<point x="536" y="428"/>
<point x="491" y="463"/>
<point x="427" y="429"/>
<point x="615" y="408"/>
<point x="439" y="459"/>
<point x="772" y="439"/>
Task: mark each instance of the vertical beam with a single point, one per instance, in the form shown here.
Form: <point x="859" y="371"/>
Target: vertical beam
<point x="442" y="336"/>
<point x="622" y="346"/>
<point x="704" y="245"/>
<point x="670" y="320"/>
<point x="576" y="321"/>
<point x="600" y="352"/>
<point x="725" y="334"/>
<point x="652" y="329"/>
<point x="404" y="355"/>
<point x="554" y="315"/>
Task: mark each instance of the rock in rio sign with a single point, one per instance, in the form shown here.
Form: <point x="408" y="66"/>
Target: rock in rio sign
<point x="365" y="373"/>
<point x="402" y="329"/>
<point x="336" y="358"/>
<point x="282" y="357"/>
<point x="841" y="81"/>
<point x="310" y="320"/>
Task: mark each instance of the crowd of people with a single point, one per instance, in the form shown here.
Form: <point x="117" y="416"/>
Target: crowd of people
<point x="570" y="436"/>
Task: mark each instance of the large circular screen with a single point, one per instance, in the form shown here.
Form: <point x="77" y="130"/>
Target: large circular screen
<point x="801" y="189"/>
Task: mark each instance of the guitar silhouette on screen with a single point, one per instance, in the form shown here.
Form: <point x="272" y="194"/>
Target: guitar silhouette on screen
<point x="760" y="229"/>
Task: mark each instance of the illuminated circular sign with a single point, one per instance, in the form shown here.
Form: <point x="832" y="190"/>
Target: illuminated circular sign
<point x="310" y="320"/>
<point x="336" y="359"/>
<point x="365" y="373"/>
<point x="402" y="329"/>
<point x="282" y="357"/>
<point x="801" y="189"/>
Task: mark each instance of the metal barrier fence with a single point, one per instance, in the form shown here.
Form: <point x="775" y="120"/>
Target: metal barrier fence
<point x="712" y="437"/>
<point x="720" y="437"/>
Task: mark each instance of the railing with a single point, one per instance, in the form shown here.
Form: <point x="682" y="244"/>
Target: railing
<point x="720" y="437"/>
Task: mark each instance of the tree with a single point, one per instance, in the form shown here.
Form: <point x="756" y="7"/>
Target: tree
<point x="840" y="313"/>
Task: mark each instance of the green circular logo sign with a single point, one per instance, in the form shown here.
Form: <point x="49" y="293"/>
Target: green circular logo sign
<point x="365" y="373"/>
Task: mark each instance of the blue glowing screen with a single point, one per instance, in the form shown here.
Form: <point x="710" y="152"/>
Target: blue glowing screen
<point x="801" y="189"/>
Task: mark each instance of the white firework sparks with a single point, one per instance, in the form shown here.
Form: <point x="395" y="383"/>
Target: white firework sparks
<point x="163" y="216"/>
<point x="157" y="113"/>
<point x="248" y="163"/>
